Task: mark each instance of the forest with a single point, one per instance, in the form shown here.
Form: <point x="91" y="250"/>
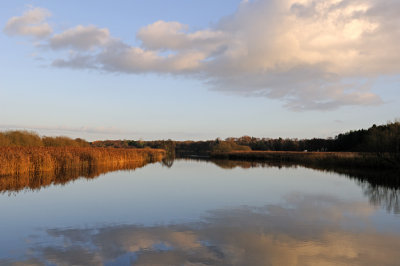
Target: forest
<point x="376" y="139"/>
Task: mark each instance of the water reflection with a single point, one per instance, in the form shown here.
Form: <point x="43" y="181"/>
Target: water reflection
<point x="168" y="161"/>
<point x="381" y="187"/>
<point x="303" y="230"/>
<point x="36" y="181"/>
<point x="383" y="196"/>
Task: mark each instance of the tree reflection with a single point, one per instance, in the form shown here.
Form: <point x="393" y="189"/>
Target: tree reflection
<point x="168" y="161"/>
<point x="381" y="187"/>
<point x="384" y="196"/>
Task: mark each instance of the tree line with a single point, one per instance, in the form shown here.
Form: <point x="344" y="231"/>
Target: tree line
<point x="382" y="138"/>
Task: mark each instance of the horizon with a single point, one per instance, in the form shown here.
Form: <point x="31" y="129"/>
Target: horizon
<point x="200" y="70"/>
<point x="396" y="121"/>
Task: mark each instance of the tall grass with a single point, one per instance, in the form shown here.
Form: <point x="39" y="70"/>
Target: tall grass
<point x="23" y="138"/>
<point x="23" y="160"/>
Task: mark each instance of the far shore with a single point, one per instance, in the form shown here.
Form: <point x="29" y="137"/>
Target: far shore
<point x="338" y="159"/>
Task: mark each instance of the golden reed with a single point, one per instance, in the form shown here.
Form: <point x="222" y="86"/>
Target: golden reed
<point x="28" y="160"/>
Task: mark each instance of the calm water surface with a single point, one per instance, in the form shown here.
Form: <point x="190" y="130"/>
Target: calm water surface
<point x="203" y="213"/>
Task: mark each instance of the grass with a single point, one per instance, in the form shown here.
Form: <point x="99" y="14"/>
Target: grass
<point x="31" y="160"/>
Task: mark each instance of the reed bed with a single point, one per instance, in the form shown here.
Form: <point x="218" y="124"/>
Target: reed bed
<point x="30" y="160"/>
<point x="330" y="159"/>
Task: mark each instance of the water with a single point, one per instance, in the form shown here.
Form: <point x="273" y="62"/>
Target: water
<point x="203" y="213"/>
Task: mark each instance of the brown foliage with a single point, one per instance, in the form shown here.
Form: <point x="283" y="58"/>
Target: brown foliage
<point x="20" y="138"/>
<point x="63" y="142"/>
<point x="228" y="146"/>
<point x="21" y="160"/>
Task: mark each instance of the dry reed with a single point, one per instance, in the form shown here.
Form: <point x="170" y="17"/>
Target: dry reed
<point x="22" y="160"/>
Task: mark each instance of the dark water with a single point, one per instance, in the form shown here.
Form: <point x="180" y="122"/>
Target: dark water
<point x="203" y="213"/>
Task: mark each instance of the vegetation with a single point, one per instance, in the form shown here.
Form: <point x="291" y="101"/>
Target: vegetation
<point x="228" y="146"/>
<point x="167" y="145"/>
<point x="384" y="138"/>
<point x="31" y="139"/>
<point x="376" y="147"/>
<point x="179" y="148"/>
<point x="21" y="160"/>
<point x="325" y="159"/>
<point x="377" y="139"/>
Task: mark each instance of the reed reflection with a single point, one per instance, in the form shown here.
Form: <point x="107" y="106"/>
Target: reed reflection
<point x="381" y="187"/>
<point x="304" y="230"/>
<point x="39" y="180"/>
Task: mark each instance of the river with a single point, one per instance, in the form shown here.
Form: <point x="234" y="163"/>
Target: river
<point x="199" y="212"/>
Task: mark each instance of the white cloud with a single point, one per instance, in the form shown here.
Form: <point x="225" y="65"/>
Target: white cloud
<point x="119" y="57"/>
<point x="309" y="54"/>
<point x="138" y="60"/>
<point x="80" y="38"/>
<point x="31" y="23"/>
<point x="174" y="36"/>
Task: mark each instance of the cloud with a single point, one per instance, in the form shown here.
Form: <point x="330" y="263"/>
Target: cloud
<point x="174" y="36"/>
<point x="122" y="58"/>
<point x="82" y="129"/>
<point x="76" y="61"/>
<point x="80" y="38"/>
<point x="309" y="54"/>
<point x="31" y="23"/>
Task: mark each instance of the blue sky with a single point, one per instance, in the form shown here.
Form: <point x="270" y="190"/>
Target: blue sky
<point x="198" y="69"/>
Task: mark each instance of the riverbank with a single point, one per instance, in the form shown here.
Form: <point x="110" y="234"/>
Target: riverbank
<point x="23" y="160"/>
<point x="328" y="159"/>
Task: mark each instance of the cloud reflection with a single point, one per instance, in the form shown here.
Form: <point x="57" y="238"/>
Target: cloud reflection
<point x="303" y="230"/>
<point x="382" y="187"/>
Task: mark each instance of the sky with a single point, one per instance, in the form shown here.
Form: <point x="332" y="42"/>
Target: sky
<point x="198" y="70"/>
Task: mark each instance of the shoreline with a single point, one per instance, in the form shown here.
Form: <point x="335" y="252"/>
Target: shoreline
<point x="328" y="159"/>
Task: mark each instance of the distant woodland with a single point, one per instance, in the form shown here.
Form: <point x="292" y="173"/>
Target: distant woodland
<point x="377" y="139"/>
